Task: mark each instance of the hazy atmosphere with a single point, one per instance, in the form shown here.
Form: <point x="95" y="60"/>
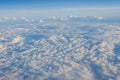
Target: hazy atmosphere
<point x="59" y="39"/>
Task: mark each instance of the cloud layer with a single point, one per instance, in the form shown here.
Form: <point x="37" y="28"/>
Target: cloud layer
<point x="60" y="49"/>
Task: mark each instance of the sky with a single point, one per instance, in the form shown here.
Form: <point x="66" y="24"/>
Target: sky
<point x="55" y="7"/>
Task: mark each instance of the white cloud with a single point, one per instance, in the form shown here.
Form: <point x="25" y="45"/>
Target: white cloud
<point x="23" y="18"/>
<point x="53" y="38"/>
<point x="2" y="48"/>
<point x="41" y="21"/>
<point x="99" y="17"/>
<point x="2" y="38"/>
<point x="64" y="19"/>
<point x="17" y="39"/>
<point x="118" y="57"/>
<point x="79" y="52"/>
<point x="54" y="17"/>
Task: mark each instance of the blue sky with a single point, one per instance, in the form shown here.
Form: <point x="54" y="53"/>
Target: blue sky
<point x="59" y="6"/>
<point x="45" y="4"/>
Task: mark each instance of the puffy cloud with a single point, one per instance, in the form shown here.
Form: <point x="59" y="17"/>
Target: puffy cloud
<point x="1" y="47"/>
<point x="118" y="57"/>
<point x="17" y="39"/>
<point x="68" y="51"/>
<point x="64" y="19"/>
<point x="2" y="38"/>
<point x="25" y="18"/>
<point x="53" y="38"/>
<point x="41" y="21"/>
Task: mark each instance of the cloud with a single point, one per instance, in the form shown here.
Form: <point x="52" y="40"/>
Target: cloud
<point x="17" y="39"/>
<point x="2" y="38"/>
<point x="41" y="21"/>
<point x="64" y="19"/>
<point x="14" y="18"/>
<point x="6" y="18"/>
<point x="2" y="48"/>
<point x="24" y="18"/>
<point x="32" y="20"/>
<point x="68" y="50"/>
<point x="99" y="17"/>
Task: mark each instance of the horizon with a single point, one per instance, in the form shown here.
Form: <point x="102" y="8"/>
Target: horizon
<point x="59" y="8"/>
<point x="59" y="39"/>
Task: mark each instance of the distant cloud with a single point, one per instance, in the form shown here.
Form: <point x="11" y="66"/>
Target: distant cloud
<point x="14" y="18"/>
<point x="41" y="21"/>
<point x="23" y="17"/>
<point x="1" y="20"/>
<point x="99" y="17"/>
<point x="6" y="18"/>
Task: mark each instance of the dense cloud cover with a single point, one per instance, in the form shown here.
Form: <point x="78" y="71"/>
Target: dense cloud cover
<point x="68" y="48"/>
